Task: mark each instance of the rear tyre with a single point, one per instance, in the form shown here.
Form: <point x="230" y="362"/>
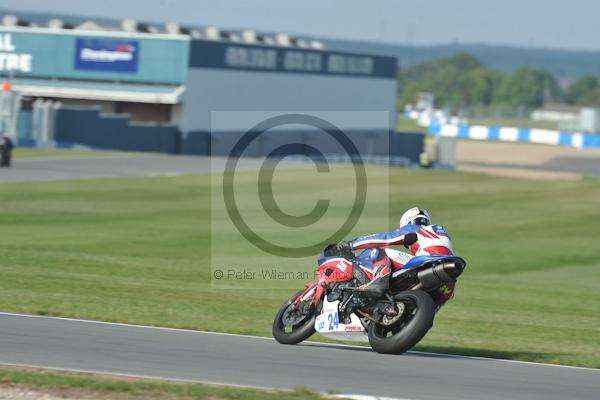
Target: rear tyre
<point x="414" y="322"/>
<point x="292" y="326"/>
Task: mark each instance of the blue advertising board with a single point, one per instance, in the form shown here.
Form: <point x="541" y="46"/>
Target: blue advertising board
<point x="106" y="55"/>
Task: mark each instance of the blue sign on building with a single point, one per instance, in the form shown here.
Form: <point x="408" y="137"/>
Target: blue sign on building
<point x="106" y="55"/>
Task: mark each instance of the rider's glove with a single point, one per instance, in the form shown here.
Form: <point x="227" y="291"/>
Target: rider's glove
<point x="345" y="249"/>
<point x="410" y="239"/>
<point x="330" y="250"/>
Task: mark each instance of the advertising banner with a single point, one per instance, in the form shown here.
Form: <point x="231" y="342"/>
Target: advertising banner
<point x="106" y="55"/>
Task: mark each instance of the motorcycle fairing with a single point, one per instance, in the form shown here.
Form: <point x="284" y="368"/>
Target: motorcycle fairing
<point x="328" y="324"/>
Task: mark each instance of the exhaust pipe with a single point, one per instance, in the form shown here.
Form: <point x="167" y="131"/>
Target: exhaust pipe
<point x="434" y="277"/>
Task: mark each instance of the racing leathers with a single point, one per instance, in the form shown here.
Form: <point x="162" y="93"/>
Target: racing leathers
<point x="420" y="240"/>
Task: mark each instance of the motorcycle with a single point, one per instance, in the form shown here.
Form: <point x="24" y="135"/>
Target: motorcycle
<point x="392" y="322"/>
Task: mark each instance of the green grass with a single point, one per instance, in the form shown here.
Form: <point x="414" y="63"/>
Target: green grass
<point x="138" y="250"/>
<point x="104" y="387"/>
<point x="514" y="122"/>
<point x="409" y="125"/>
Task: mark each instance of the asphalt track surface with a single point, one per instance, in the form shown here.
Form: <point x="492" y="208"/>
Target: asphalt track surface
<point x="97" y="165"/>
<point x="194" y="356"/>
<point x="126" y="165"/>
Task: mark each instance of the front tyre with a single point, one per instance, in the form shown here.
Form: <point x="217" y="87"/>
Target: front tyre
<point x="416" y="318"/>
<point x="295" y="322"/>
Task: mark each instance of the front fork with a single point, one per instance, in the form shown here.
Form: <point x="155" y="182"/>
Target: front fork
<point x="313" y="291"/>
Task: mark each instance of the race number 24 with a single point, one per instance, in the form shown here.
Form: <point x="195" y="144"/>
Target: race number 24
<point x="333" y="320"/>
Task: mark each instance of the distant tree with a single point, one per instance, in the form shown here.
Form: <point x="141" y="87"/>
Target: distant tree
<point x="464" y="61"/>
<point x="590" y="98"/>
<point x="461" y="61"/>
<point x="484" y="84"/>
<point x="456" y="82"/>
<point x="582" y="90"/>
<point x="528" y="88"/>
<point x="462" y="81"/>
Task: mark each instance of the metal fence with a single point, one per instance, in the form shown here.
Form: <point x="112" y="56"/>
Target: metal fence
<point x="10" y="102"/>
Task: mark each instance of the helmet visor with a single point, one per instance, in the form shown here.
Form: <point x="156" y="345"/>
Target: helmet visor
<point x="421" y="221"/>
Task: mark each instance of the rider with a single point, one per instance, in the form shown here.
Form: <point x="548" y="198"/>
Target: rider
<point x="416" y="233"/>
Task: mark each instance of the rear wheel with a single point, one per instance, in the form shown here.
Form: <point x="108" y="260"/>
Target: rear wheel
<point x="295" y="322"/>
<point x="396" y="335"/>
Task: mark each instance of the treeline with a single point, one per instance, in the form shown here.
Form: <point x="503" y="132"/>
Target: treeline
<point x="462" y="81"/>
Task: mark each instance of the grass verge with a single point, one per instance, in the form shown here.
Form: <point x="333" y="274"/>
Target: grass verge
<point x="141" y="250"/>
<point x="77" y="385"/>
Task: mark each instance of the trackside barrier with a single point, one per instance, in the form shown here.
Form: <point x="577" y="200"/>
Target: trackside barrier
<point x="510" y="134"/>
<point x="376" y="143"/>
<point x="87" y="126"/>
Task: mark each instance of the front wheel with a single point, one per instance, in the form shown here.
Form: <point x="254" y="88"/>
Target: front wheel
<point x="295" y="322"/>
<point x="416" y="311"/>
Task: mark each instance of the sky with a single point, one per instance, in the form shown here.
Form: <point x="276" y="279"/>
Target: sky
<point x="539" y="23"/>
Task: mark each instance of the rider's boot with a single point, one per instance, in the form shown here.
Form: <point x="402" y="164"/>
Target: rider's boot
<point x="379" y="284"/>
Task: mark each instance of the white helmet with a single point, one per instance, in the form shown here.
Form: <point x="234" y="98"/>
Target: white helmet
<point x="415" y="215"/>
